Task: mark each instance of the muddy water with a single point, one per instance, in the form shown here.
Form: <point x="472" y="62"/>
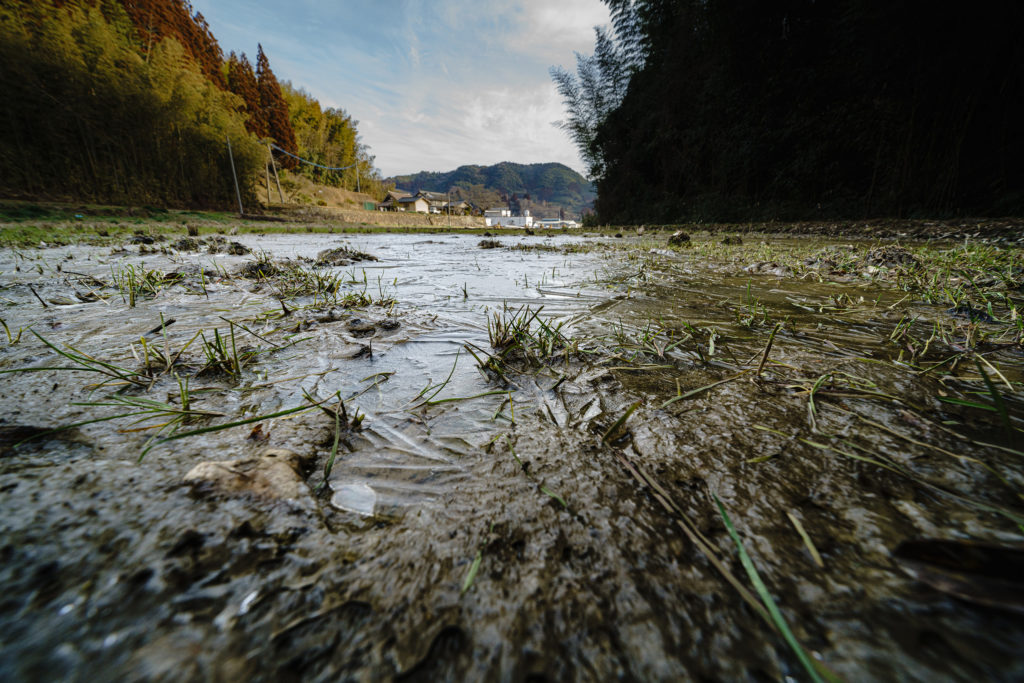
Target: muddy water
<point x="481" y="538"/>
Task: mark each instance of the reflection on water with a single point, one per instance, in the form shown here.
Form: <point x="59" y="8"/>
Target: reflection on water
<point x="445" y="287"/>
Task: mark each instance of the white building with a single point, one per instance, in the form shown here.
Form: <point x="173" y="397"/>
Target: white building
<point x="555" y="223"/>
<point x="505" y="219"/>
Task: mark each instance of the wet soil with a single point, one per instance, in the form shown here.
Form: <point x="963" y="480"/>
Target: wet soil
<point x="506" y="523"/>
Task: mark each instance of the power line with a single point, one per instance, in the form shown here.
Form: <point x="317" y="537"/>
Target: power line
<point x="313" y="163"/>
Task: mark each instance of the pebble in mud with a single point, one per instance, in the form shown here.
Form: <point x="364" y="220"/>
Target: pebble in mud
<point x="768" y="268"/>
<point x="362" y="328"/>
<point x="678" y="239"/>
<point x="342" y="256"/>
<point x="271" y="476"/>
<point x="186" y="244"/>
<point x="890" y="255"/>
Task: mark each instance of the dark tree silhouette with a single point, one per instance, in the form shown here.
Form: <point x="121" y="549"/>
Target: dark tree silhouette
<point x="741" y="109"/>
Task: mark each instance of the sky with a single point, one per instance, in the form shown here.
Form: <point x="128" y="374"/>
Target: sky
<point x="433" y="84"/>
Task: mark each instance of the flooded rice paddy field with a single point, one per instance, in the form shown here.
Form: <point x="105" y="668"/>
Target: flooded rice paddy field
<point x="564" y="458"/>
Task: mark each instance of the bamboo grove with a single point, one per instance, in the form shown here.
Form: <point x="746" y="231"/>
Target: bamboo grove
<point x="744" y="109"/>
<point x="132" y="101"/>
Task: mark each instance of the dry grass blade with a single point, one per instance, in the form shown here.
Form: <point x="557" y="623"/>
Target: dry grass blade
<point x="767" y="349"/>
<point x="806" y="539"/>
<point x="691" y="532"/>
<point x="701" y="390"/>
<point x="773" y="610"/>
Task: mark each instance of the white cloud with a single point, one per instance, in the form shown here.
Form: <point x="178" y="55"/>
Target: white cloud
<point x="435" y="85"/>
<point x="486" y="127"/>
<point x="557" y="29"/>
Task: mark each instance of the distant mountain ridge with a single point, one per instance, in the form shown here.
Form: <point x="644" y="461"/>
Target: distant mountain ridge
<point x="544" y="189"/>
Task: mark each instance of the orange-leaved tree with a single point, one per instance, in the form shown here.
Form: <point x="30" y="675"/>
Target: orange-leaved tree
<point x="242" y="82"/>
<point x="275" y="109"/>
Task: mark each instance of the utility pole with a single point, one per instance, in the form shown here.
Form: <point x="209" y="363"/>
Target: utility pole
<point x="273" y="164"/>
<point x="448" y="195"/>
<point x="238" y="193"/>
<point x="266" y="169"/>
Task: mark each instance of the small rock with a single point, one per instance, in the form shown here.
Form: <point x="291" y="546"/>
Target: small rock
<point x="678" y="239"/>
<point x="255" y="270"/>
<point x="768" y="268"/>
<point x="365" y="351"/>
<point x="890" y="255"/>
<point x="389" y="324"/>
<point x="341" y="256"/>
<point x="361" y="328"/>
<point x="975" y="315"/>
<point x="186" y="244"/>
<point x="271" y="476"/>
<point x="733" y="240"/>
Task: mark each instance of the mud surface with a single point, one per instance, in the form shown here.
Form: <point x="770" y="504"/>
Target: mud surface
<point x="457" y="522"/>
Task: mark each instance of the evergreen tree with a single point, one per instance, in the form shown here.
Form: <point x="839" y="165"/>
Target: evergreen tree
<point x="275" y="109"/>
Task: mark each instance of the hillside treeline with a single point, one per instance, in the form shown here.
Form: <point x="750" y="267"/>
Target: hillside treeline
<point x="133" y="101"/>
<point x="506" y="182"/>
<point x="745" y="109"/>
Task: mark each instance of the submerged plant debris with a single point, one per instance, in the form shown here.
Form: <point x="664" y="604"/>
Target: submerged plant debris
<point x="570" y="457"/>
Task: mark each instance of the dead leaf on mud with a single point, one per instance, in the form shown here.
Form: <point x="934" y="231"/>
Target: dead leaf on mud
<point x="982" y="573"/>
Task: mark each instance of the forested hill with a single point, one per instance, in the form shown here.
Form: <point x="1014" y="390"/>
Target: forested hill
<point x="133" y="101"/>
<point x="731" y="109"/>
<point x="543" y="188"/>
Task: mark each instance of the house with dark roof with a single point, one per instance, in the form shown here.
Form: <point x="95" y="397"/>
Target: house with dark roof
<point x="458" y="207"/>
<point x="414" y="203"/>
<point x="391" y="201"/>
<point x="423" y="201"/>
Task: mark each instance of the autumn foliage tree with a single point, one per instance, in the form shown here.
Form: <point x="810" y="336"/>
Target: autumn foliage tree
<point x="275" y="109"/>
<point x="158" y="19"/>
<point x="242" y="82"/>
